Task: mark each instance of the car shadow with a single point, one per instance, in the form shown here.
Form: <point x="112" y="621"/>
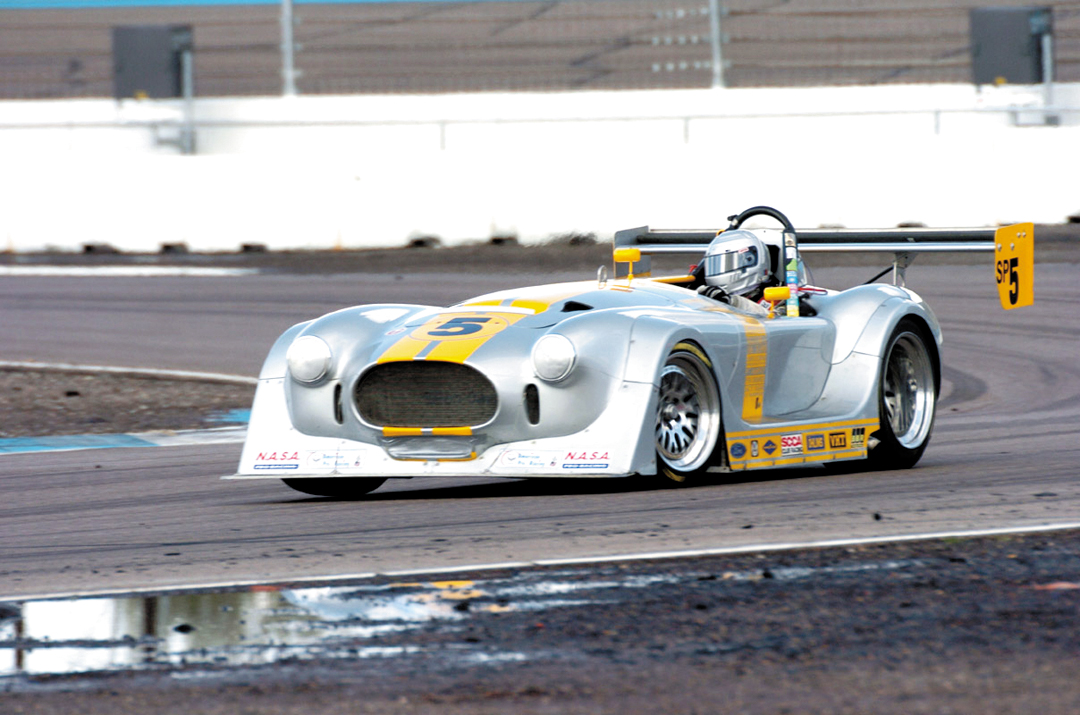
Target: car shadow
<point x="552" y="487"/>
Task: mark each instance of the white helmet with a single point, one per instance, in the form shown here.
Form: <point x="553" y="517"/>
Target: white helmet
<point x="737" y="261"/>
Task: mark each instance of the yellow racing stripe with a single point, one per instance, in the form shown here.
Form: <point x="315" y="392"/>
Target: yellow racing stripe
<point x="757" y="358"/>
<point x="405" y="349"/>
<point x="455" y="336"/>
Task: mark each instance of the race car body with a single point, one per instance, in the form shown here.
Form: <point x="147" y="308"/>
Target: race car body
<point x="606" y="378"/>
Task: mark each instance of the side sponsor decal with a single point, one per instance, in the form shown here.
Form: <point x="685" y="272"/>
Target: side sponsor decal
<point x="814" y="443"/>
<point x="586" y="460"/>
<point x="527" y="459"/>
<point x="283" y="456"/>
<point x="553" y="461"/>
<point x="321" y="461"/>
<point x="791" y="444"/>
<point x="277" y="460"/>
<point x="345" y="459"/>
<point x="858" y="438"/>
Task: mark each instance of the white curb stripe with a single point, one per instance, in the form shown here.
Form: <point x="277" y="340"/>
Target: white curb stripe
<point x="124" y="271"/>
<point x="133" y="371"/>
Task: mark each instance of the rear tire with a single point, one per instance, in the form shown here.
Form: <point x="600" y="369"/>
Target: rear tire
<point x="687" y="415"/>
<point x="341" y="487"/>
<point x="907" y="398"/>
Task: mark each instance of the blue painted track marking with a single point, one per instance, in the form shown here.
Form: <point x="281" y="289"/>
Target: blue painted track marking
<point x="79" y="441"/>
<point x="233" y="417"/>
<point x="164" y="438"/>
<point x="84" y="4"/>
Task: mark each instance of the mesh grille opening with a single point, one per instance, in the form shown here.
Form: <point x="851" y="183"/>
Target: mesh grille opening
<point x="425" y="394"/>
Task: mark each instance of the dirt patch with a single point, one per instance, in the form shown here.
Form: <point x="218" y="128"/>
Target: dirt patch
<point x="37" y="403"/>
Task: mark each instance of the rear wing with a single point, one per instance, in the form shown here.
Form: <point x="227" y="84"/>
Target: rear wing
<point x="1012" y="246"/>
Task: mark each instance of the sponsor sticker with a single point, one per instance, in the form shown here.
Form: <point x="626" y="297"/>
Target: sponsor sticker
<point x="791" y="444"/>
<point x="753" y="448"/>
<point x="838" y="440"/>
<point x="586" y="456"/>
<point x="769" y="447"/>
<point x="524" y="459"/>
<point x="815" y="442"/>
<point x="738" y="450"/>
<point x="349" y="459"/>
<point x="858" y="438"/>
<point x="586" y="460"/>
<point x="283" y="456"/>
<point x="284" y="459"/>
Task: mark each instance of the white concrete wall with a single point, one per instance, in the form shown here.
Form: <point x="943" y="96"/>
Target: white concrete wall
<point x="376" y="170"/>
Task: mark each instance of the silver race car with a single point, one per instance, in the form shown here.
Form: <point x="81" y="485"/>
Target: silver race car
<point x="738" y="365"/>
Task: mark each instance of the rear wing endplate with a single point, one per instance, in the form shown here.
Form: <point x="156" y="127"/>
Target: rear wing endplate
<point x="1013" y="248"/>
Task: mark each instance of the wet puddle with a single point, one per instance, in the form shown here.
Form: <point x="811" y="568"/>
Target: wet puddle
<point x="255" y="627"/>
<point x="265" y="625"/>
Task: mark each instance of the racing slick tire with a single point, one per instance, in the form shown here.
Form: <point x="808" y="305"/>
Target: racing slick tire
<point x="907" y="398"/>
<point x="341" y="487"/>
<point x="688" y="415"/>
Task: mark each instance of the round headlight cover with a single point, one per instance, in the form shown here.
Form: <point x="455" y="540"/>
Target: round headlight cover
<point x="308" y="358"/>
<point x="553" y="357"/>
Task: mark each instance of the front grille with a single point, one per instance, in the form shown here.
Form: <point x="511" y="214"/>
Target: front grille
<point x="425" y="394"/>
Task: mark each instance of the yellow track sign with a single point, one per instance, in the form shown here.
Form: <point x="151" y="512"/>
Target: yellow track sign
<point x="1014" y="261"/>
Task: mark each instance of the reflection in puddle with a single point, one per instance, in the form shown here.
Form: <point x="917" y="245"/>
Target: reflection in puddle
<point x="231" y="629"/>
<point x="261" y="626"/>
<point x="266" y="625"/>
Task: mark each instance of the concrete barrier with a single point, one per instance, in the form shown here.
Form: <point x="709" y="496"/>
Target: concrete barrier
<point x="366" y="171"/>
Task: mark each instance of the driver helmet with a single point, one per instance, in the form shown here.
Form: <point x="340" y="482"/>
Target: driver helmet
<point x="737" y="261"/>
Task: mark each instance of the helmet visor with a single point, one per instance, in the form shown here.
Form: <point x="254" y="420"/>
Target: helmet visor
<point x="721" y="263"/>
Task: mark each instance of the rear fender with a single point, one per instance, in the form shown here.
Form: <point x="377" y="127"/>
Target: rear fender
<point x="865" y="316"/>
<point x="884" y="320"/>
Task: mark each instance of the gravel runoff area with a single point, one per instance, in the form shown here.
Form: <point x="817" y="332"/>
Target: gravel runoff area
<point x="37" y="403"/>
<point x="948" y="626"/>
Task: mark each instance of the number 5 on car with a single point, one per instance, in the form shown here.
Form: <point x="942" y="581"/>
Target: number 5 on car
<point x="1014" y="254"/>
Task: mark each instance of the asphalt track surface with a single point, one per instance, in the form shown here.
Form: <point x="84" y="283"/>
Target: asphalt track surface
<point x="1004" y="451"/>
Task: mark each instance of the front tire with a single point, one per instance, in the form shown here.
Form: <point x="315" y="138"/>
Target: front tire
<point x="341" y="487"/>
<point x="907" y="398"/>
<point x="687" y="415"/>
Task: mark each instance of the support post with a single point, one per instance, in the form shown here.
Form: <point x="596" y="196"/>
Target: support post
<point x="717" y="40"/>
<point x="288" y="50"/>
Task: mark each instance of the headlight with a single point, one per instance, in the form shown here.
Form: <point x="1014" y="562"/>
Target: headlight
<point x="308" y="358"/>
<point x="553" y="357"/>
